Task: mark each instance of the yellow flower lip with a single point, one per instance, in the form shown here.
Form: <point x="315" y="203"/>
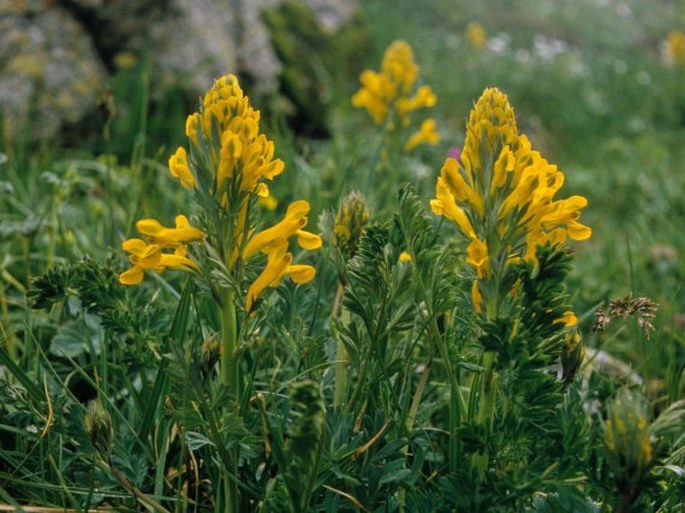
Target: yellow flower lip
<point x="295" y="219"/>
<point x="182" y="234"/>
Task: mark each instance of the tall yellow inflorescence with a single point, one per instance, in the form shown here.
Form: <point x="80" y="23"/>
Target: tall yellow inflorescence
<point x="227" y="166"/>
<point x="392" y="94"/>
<point x="502" y="193"/>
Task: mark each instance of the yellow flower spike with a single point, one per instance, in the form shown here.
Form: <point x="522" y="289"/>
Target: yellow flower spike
<point x="405" y="257"/>
<point x="392" y="87"/>
<point x="182" y="234"/>
<point x="178" y="166"/>
<point x="477" y="256"/>
<point x="427" y="134"/>
<point x="295" y="219"/>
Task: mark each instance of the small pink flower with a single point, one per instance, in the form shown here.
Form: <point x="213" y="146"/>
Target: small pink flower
<point x="454" y="152"/>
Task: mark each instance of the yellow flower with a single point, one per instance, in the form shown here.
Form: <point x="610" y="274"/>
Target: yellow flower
<point x="295" y="219"/>
<point x="569" y="319"/>
<point x="391" y="88"/>
<point x="230" y="165"/>
<point x="476" y="35"/>
<point x="278" y="266"/>
<point x="477" y="256"/>
<point x="151" y="256"/>
<point x="178" y="166"/>
<point x="427" y="134"/>
<point x="675" y="48"/>
<point x="405" y="257"/>
<point x="158" y="234"/>
<point x="502" y="178"/>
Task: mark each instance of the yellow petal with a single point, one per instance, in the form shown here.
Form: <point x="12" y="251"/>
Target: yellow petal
<point x="301" y="273"/>
<point x="131" y="277"/>
<point x="308" y="240"/>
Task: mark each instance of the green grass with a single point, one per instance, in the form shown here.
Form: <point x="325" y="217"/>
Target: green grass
<point x="605" y="108"/>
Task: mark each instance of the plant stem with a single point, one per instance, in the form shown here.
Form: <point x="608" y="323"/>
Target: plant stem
<point x="229" y="364"/>
<point x="229" y="378"/>
<point x="342" y="359"/>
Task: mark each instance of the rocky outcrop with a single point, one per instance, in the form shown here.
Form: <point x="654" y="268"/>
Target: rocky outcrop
<point x="49" y="69"/>
<point x="55" y="55"/>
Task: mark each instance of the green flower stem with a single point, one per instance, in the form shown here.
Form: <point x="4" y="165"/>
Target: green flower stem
<point x="342" y="361"/>
<point x="229" y="364"/>
<point x="342" y="358"/>
<point x="486" y="408"/>
<point x="229" y="377"/>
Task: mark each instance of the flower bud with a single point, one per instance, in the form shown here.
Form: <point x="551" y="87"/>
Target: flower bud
<point x="98" y="425"/>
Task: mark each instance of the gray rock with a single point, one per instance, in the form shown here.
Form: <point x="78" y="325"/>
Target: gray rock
<point x="54" y="54"/>
<point x="48" y="67"/>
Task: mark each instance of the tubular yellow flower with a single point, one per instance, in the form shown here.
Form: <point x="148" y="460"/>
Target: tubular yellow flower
<point x="151" y="256"/>
<point x="427" y="134"/>
<point x="295" y="219"/>
<point x="278" y="266"/>
<point x="477" y="256"/>
<point x="476" y="297"/>
<point x="170" y="237"/>
<point x="178" y="166"/>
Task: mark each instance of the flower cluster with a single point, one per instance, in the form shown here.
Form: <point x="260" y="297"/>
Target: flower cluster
<point x="501" y="193"/>
<point x="226" y="167"/>
<point x="350" y="220"/>
<point x="627" y="438"/>
<point x="675" y="48"/>
<point x="392" y="94"/>
<point x="476" y="36"/>
<point x="151" y="255"/>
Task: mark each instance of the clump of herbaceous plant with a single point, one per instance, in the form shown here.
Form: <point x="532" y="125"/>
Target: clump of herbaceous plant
<point x="394" y="97"/>
<point x="226" y="169"/>
<point x="503" y="198"/>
